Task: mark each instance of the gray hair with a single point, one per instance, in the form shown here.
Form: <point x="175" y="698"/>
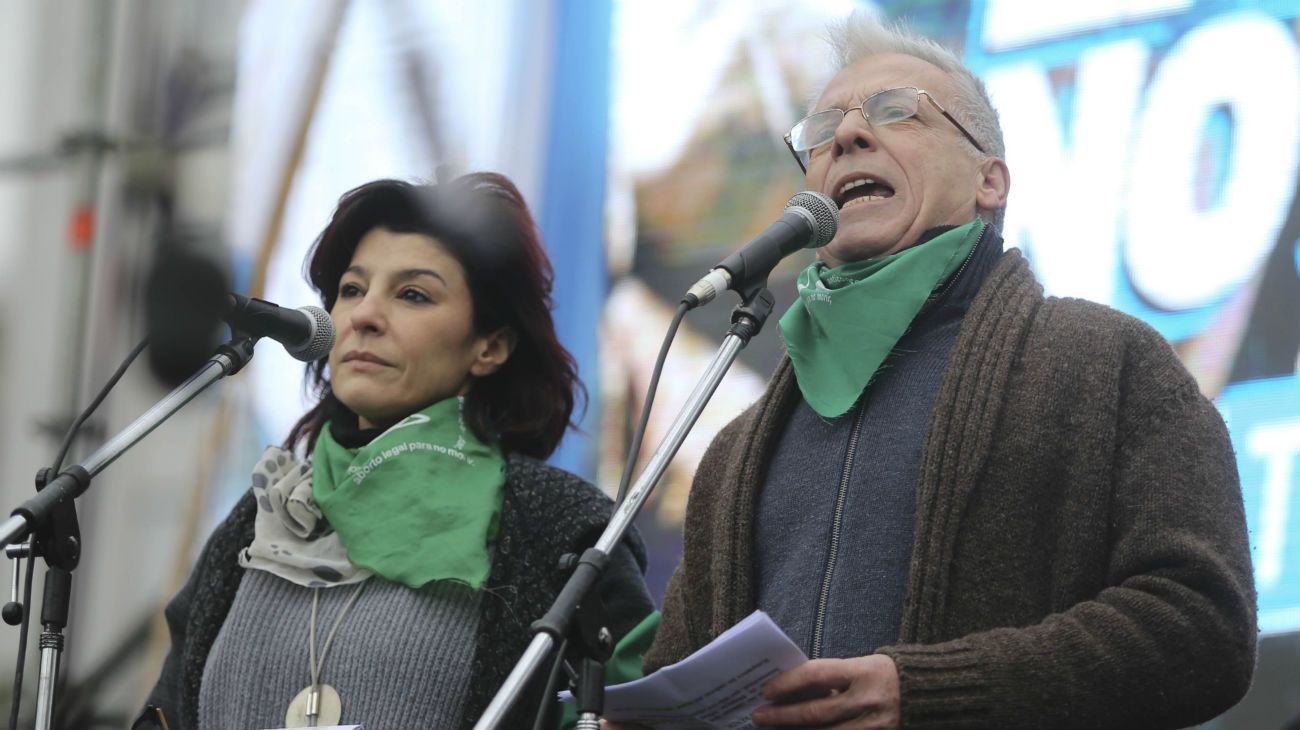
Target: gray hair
<point x="861" y="35"/>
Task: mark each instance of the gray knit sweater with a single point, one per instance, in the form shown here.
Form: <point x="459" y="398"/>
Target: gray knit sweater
<point x="401" y="658"/>
<point x="545" y="513"/>
<point x="1080" y="557"/>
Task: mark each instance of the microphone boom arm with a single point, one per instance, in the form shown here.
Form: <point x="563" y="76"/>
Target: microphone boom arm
<point x="747" y="320"/>
<point x="74" y="480"/>
<point x="38" y="513"/>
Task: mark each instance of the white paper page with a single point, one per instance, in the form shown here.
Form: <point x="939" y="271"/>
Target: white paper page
<point x="331" y="727"/>
<point x="718" y="686"/>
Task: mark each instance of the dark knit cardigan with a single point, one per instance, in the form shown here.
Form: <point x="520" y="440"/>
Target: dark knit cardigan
<point x="1080" y="557"/>
<point x="545" y="513"/>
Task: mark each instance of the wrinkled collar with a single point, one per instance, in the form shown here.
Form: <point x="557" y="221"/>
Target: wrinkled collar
<point x="344" y="426"/>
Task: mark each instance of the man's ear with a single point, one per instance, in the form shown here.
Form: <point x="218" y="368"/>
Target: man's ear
<point x="993" y="185"/>
<point x="494" y="349"/>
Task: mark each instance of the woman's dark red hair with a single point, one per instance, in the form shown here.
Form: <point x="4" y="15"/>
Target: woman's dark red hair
<point x="483" y="222"/>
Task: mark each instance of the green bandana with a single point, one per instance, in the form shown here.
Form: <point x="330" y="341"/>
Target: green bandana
<point x="419" y="503"/>
<point x="848" y="319"/>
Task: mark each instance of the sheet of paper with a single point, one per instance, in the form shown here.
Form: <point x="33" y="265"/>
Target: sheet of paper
<point x="718" y="686"/>
<point x="331" y="727"/>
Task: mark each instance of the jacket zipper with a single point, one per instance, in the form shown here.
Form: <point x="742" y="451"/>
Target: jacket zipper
<point x="819" y="623"/>
<point x="953" y="279"/>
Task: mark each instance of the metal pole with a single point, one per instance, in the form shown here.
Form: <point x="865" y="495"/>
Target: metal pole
<point x="658" y="463"/>
<point x="54" y="617"/>
<point x="51" y="648"/>
<point x="541" y="645"/>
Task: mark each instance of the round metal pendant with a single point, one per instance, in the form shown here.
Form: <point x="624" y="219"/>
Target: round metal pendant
<point x="330" y="707"/>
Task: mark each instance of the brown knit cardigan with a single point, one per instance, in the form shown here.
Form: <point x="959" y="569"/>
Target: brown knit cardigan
<point x="1080" y="558"/>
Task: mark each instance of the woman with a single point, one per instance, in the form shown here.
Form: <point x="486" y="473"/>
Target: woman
<point x="390" y="578"/>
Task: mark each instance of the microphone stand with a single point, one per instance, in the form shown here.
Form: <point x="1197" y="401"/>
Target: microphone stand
<point x="51" y="515"/>
<point x="596" y="642"/>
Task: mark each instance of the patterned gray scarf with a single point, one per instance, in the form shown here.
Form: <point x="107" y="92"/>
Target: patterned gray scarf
<point x="291" y="538"/>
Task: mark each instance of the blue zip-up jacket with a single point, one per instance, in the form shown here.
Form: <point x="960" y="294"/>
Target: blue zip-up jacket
<point x="833" y="533"/>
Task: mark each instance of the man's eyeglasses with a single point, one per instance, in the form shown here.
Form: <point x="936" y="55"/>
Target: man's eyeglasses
<point x="880" y="109"/>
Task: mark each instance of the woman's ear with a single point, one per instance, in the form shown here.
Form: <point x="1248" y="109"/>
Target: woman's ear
<point x="494" y="349"/>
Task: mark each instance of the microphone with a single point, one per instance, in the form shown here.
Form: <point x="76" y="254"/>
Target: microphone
<point x="307" y="333"/>
<point x="186" y="300"/>
<point x="809" y="221"/>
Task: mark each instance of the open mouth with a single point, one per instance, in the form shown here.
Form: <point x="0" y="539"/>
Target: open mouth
<point x="862" y="191"/>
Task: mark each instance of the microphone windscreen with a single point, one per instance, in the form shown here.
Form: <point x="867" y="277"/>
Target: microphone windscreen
<point x="184" y="297"/>
<point x="824" y="212"/>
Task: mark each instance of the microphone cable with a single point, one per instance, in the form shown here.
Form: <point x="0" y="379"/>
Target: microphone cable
<point x="22" y="640"/>
<point x="544" y="719"/>
<point x="94" y="404"/>
<point x="634" y="450"/>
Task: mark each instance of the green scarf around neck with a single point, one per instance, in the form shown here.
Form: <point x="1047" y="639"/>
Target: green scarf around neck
<point x="419" y="503"/>
<point x="847" y="319"/>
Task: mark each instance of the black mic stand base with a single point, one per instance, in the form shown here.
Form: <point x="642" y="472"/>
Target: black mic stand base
<point x="51" y="514"/>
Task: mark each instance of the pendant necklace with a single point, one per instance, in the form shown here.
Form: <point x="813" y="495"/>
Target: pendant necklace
<point x="319" y="704"/>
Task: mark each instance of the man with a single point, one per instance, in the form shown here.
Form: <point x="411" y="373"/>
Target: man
<point x="971" y="505"/>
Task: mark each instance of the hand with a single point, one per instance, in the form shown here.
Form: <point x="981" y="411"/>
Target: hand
<point x="846" y="694"/>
